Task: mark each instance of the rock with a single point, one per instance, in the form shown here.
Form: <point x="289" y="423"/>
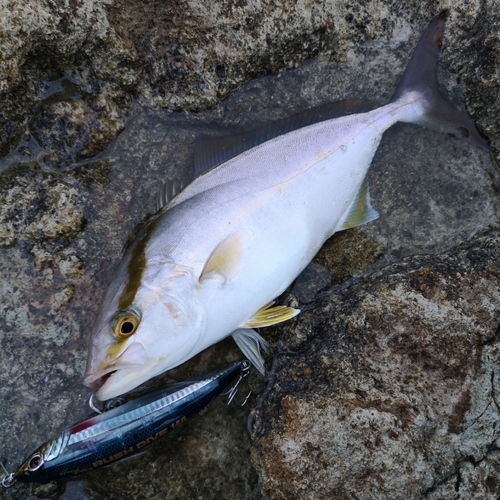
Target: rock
<point x="396" y="392"/>
<point x="375" y="378"/>
<point x="40" y="208"/>
<point x="72" y="267"/>
<point x="38" y="41"/>
<point x="478" y="85"/>
<point x="188" y="55"/>
<point x="363" y="252"/>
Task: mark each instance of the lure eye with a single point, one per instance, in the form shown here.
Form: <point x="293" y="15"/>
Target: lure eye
<point x="35" y="462"/>
<point x="125" y="324"/>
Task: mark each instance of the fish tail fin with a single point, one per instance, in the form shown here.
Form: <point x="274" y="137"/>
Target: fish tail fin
<point x="420" y="79"/>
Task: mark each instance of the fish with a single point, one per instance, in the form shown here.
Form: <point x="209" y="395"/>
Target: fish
<point x="213" y="259"/>
<point x="125" y="431"/>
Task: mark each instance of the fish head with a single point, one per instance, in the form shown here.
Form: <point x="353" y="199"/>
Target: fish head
<point x="155" y="332"/>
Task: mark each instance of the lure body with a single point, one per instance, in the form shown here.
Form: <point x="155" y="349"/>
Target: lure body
<point x="124" y="431"/>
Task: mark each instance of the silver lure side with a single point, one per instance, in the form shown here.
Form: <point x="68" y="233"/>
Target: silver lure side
<point x="213" y="259"/>
<point x="124" y="431"/>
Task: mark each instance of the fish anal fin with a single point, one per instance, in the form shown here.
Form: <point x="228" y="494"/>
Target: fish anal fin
<point x="361" y="210"/>
<point x="225" y="258"/>
<point x="250" y="343"/>
<point x="269" y="315"/>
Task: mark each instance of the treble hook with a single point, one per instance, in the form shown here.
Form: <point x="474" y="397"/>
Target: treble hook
<point x="8" y="480"/>
<point x="232" y="392"/>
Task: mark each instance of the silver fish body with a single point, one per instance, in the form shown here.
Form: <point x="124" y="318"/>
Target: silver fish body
<point x="214" y="258"/>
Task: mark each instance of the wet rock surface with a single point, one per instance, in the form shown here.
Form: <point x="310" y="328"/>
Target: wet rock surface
<point x="391" y="390"/>
<point x="187" y="55"/>
<point x="43" y="42"/>
<point x="389" y="387"/>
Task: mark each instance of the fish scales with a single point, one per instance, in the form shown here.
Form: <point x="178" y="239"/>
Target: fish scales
<point x="279" y="197"/>
<point x="214" y="258"/>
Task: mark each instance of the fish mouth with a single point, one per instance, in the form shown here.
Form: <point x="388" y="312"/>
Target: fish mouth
<point x="124" y="380"/>
<point x="133" y="358"/>
<point x="98" y="382"/>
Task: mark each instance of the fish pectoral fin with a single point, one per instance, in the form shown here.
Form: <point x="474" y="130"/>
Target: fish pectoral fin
<point x="269" y="315"/>
<point x="250" y="343"/>
<point x="225" y="258"/>
<point x="361" y="210"/>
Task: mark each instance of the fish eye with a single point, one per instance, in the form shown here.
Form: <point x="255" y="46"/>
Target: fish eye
<point x="35" y="462"/>
<point x="125" y="324"/>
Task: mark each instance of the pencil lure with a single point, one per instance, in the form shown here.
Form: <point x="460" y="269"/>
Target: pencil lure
<point x="215" y="256"/>
<point x="124" y="431"/>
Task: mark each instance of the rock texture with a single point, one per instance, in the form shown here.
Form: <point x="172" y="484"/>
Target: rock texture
<point x="41" y="42"/>
<point x="185" y="55"/>
<point x="387" y="385"/>
<point x="389" y="388"/>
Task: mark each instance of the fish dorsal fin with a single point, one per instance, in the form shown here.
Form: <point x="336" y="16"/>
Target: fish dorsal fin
<point x="224" y="259"/>
<point x="361" y="210"/>
<point x="250" y="343"/>
<point x="169" y="190"/>
<point x="269" y="315"/>
<point x="210" y="151"/>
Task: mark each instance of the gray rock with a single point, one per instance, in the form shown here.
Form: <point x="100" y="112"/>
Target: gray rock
<point x="39" y="42"/>
<point x="188" y="55"/>
<point x="394" y="373"/>
<point x="395" y="393"/>
<point x="40" y="208"/>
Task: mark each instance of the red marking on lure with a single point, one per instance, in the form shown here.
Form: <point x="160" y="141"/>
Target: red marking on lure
<point x="83" y="425"/>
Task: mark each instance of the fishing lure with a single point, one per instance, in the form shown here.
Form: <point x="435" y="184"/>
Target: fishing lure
<point x="124" y="431"/>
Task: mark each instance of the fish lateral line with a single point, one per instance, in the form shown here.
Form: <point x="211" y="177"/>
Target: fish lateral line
<point x="320" y="170"/>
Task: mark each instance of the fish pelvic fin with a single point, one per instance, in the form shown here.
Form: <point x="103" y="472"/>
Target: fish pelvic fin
<point x="420" y="76"/>
<point x="361" y="210"/>
<point x="269" y="315"/>
<point x="224" y="259"/>
<point x="251" y="343"/>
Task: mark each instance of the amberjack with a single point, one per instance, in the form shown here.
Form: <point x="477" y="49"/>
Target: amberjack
<point x="212" y="260"/>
